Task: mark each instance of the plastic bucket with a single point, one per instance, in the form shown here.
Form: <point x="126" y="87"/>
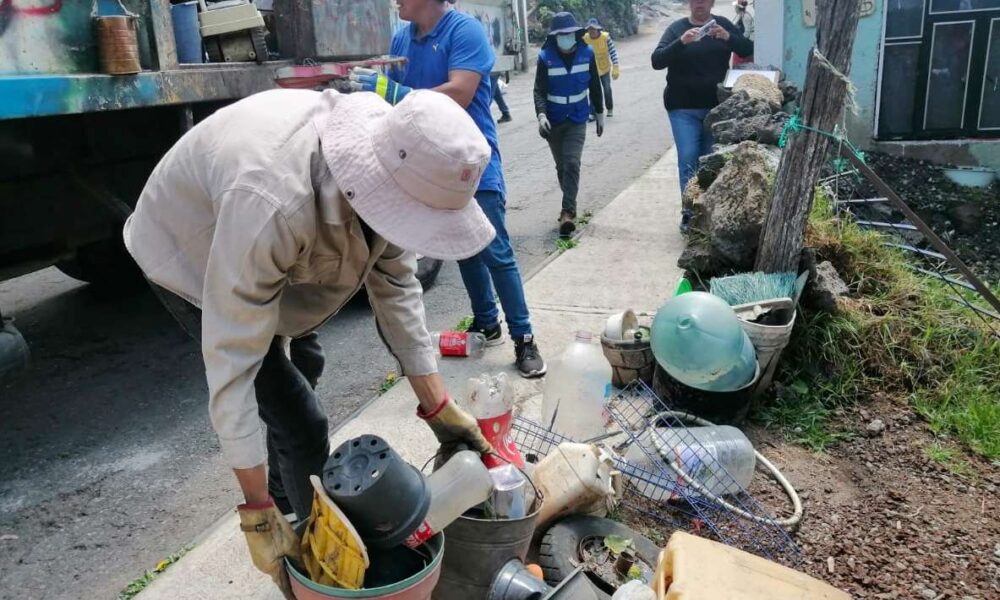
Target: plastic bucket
<point x="187" y="34"/>
<point x="416" y="587"/>
<point x="477" y="550"/>
<point x="768" y="340"/>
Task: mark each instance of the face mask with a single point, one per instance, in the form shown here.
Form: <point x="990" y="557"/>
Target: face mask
<point x="566" y="42"/>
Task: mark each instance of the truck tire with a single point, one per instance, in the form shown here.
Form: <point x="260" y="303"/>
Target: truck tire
<point x="258" y="38"/>
<point x="427" y="270"/>
<point x="105" y="264"/>
<point x="14" y="353"/>
<point x="561" y="546"/>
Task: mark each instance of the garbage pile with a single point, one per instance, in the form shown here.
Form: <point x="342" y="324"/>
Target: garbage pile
<point x="606" y="441"/>
<point x="378" y="523"/>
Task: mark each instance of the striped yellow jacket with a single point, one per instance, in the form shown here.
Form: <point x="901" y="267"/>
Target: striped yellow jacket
<point x="604" y="51"/>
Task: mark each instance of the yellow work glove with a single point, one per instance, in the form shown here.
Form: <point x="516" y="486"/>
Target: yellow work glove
<point x="452" y="426"/>
<point x="615" y="72"/>
<point x="270" y="539"/>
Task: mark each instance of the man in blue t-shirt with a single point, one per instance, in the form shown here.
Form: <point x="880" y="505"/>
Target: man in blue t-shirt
<point x="448" y="51"/>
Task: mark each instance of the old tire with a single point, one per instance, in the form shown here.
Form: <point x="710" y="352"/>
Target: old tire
<point x="561" y="545"/>
<point x="427" y="270"/>
<point x="258" y="40"/>
<point x="105" y="264"/>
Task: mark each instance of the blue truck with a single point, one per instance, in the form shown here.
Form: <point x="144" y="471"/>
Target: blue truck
<point x="76" y="145"/>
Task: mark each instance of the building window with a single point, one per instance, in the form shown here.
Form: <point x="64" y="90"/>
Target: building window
<point x="940" y="69"/>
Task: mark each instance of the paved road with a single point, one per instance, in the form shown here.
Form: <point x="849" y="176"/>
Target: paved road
<point x="107" y="459"/>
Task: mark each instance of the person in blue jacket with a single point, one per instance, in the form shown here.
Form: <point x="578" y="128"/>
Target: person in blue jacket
<point x="448" y="51"/>
<point x="567" y="89"/>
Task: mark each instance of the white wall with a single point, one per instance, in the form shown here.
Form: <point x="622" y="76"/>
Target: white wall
<point x="769" y="32"/>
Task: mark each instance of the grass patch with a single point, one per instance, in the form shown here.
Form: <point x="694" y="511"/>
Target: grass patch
<point x="802" y="417"/>
<point x="584" y="219"/>
<point x="142" y="582"/>
<point x="391" y="379"/>
<point x="465" y="323"/>
<point x="564" y="244"/>
<point x="897" y="334"/>
<point x="947" y="458"/>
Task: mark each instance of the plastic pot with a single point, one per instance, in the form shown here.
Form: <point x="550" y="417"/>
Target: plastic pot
<point x="384" y="497"/>
<point x="721" y="408"/>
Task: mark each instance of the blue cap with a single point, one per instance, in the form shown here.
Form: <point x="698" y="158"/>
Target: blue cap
<point x="564" y="22"/>
<point x="594" y="24"/>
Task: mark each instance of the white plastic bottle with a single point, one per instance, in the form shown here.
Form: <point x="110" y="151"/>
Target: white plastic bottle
<point x="459" y="343"/>
<point x="575" y="389"/>
<point x="720" y="458"/>
<point x="463" y="482"/>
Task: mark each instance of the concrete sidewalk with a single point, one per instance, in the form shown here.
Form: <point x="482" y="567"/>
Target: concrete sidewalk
<point x="626" y="258"/>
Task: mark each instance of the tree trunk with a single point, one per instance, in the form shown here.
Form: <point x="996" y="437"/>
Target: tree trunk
<point x="823" y="101"/>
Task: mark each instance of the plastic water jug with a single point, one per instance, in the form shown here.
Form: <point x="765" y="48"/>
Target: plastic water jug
<point x="705" y="454"/>
<point x="463" y="482"/>
<point x="698" y="340"/>
<point x="575" y="479"/>
<point x="575" y="389"/>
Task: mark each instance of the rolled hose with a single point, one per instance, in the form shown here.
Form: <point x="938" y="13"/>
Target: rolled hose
<point x="787" y="523"/>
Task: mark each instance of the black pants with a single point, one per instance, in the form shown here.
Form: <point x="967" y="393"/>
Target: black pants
<point x="566" y="142"/>
<point x="609" y="98"/>
<point x="298" y="437"/>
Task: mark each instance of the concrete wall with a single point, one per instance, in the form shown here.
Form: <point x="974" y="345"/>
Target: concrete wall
<point x="799" y="39"/>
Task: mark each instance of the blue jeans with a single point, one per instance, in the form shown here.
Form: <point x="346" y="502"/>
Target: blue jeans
<point x="496" y="267"/>
<point x="692" y="138"/>
<point x="498" y="95"/>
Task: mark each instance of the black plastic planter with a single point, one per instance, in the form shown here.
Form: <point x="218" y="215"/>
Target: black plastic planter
<point x="385" y="498"/>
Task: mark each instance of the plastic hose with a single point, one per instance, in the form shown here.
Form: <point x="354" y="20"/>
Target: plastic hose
<point x="788" y="523"/>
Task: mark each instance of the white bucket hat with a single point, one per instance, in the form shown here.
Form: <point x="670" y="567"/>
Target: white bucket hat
<point x="410" y="171"/>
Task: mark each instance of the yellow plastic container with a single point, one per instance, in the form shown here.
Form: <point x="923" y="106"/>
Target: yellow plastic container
<point x="332" y="551"/>
<point x="693" y="568"/>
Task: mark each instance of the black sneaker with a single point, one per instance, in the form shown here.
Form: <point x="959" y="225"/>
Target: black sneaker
<point x="567" y="223"/>
<point x="493" y="335"/>
<point x="527" y="357"/>
<point x="505" y="118"/>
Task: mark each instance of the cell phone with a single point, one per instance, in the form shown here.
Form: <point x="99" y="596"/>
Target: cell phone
<point x="704" y="29"/>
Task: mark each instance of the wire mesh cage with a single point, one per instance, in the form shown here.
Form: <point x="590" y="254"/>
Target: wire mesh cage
<point x="673" y="481"/>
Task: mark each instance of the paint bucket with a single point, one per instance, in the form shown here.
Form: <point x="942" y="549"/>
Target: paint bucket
<point x="418" y="586"/>
<point x="118" y="44"/>
<point x="477" y="550"/>
<point x="187" y="34"/>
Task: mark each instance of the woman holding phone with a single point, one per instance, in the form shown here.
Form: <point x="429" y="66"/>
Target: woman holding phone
<point x="695" y="51"/>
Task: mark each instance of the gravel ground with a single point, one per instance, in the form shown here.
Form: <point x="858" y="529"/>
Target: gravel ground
<point x="967" y="219"/>
<point x="883" y="520"/>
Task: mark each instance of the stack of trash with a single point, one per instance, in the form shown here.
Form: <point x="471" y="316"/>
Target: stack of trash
<point x="377" y="521"/>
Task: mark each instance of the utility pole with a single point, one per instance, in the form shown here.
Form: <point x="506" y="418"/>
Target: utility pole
<point x="523" y="25"/>
<point x="823" y="100"/>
